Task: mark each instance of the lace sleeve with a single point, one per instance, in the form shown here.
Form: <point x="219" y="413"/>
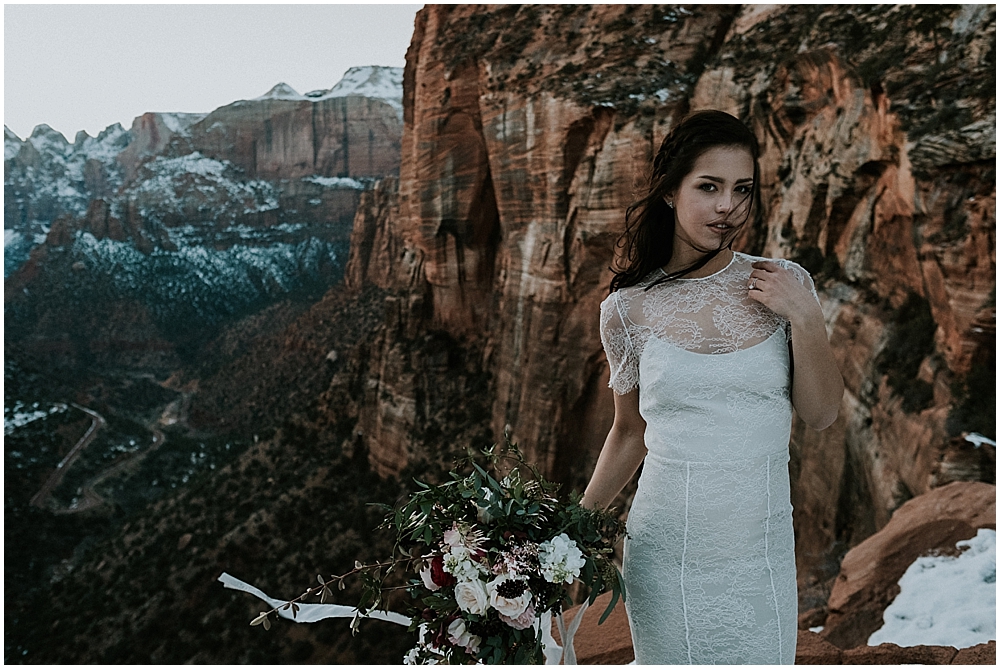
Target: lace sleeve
<point x="803" y="276"/>
<point x="619" y="346"/>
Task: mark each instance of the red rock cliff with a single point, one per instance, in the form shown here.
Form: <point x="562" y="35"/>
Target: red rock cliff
<point x="526" y="132"/>
<point x="351" y="136"/>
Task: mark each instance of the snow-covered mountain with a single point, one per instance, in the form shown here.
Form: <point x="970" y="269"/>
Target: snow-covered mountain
<point x="197" y="215"/>
<point x="370" y="81"/>
<point x="47" y="177"/>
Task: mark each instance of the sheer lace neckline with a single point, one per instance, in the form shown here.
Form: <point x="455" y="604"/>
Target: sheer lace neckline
<point x="729" y="264"/>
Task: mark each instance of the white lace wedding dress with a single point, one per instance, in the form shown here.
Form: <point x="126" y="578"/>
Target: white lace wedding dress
<point x="709" y="562"/>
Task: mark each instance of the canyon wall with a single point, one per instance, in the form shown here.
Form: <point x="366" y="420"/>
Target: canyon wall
<point x="528" y="130"/>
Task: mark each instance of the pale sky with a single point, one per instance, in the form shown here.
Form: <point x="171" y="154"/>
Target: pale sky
<point x="87" y="66"/>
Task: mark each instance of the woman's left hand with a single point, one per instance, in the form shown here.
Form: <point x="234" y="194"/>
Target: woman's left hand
<point x="817" y="385"/>
<point x="781" y="291"/>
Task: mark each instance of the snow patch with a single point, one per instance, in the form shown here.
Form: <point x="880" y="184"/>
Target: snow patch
<point x="48" y="140"/>
<point x="192" y="163"/>
<point x="946" y="601"/>
<point x="179" y="122"/>
<point x="282" y="91"/>
<point x="201" y="280"/>
<point x="109" y="143"/>
<point x="11" y="144"/>
<point x="336" y="182"/>
<point x="371" y="81"/>
<point x="20" y="414"/>
<point x="978" y="440"/>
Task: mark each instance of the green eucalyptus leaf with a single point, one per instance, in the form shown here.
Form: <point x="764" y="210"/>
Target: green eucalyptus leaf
<point x="611" y="606"/>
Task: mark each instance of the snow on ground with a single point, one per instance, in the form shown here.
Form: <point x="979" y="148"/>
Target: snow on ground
<point x="11" y="143"/>
<point x="336" y="182"/>
<point x="180" y="122"/>
<point x="192" y="163"/>
<point x="208" y="280"/>
<point x="978" y="440"/>
<point x="371" y="81"/>
<point x="45" y="139"/>
<point x="172" y="179"/>
<point x="109" y="143"/>
<point x="946" y="601"/>
<point x="282" y="91"/>
<point x="21" y="414"/>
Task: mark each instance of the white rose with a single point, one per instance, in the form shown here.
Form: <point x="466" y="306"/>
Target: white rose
<point x="457" y="633"/>
<point x="510" y="600"/>
<point x="472" y="596"/>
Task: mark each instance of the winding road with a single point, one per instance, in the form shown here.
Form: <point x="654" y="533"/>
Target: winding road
<point x="41" y="497"/>
<point x="90" y="497"/>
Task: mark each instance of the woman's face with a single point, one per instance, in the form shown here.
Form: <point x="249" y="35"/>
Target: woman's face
<point x="713" y="200"/>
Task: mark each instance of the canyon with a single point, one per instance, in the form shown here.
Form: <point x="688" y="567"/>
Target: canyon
<point x="474" y="227"/>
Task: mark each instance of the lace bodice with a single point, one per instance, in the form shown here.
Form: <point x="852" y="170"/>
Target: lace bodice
<point x="710" y="315"/>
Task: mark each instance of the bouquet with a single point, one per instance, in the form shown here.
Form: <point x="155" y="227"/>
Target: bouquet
<point x="487" y="555"/>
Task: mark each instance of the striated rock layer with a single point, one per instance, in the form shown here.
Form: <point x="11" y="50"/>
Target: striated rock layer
<point x="527" y="131"/>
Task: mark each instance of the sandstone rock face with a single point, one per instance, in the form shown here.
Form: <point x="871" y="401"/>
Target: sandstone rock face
<point x="151" y="133"/>
<point x="963" y="460"/>
<point x="527" y="131"/>
<point x="372" y="239"/>
<point x="351" y="136"/>
<point x="870" y="572"/>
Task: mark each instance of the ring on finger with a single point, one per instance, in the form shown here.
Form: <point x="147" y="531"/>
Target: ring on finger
<point x="753" y="283"/>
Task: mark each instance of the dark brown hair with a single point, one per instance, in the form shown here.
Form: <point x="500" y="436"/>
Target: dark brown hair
<point x="648" y="240"/>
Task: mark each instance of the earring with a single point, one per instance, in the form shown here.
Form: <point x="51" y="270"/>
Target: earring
<point x="670" y="204"/>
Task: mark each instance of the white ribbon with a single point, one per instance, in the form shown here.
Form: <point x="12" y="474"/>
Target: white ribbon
<point x="569" y="654"/>
<point x="310" y="613"/>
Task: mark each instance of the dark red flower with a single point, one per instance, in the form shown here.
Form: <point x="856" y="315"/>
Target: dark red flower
<point x="440" y="637"/>
<point x="439" y="575"/>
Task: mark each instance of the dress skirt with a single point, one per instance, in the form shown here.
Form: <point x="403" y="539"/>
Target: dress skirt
<point x="709" y="563"/>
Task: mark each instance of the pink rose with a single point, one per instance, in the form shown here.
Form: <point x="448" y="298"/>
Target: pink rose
<point x="523" y="621"/>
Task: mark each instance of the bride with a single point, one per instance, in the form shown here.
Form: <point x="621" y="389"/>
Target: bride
<point x="709" y="351"/>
